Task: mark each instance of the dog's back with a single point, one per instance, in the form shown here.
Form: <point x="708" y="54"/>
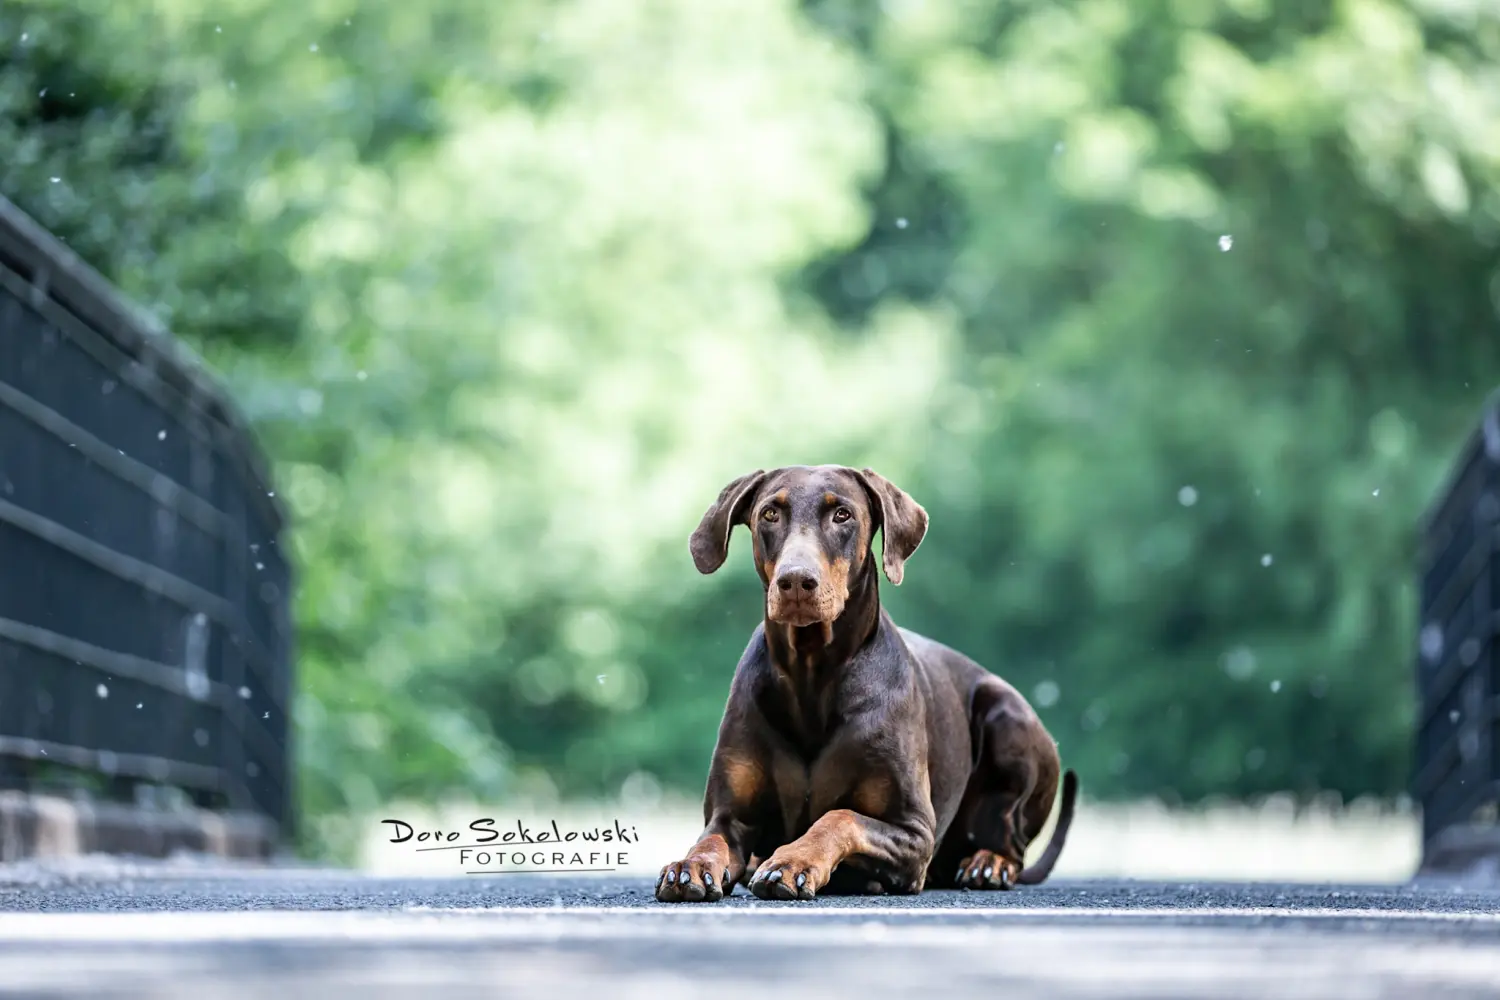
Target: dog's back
<point x="963" y="675"/>
<point x="944" y="662"/>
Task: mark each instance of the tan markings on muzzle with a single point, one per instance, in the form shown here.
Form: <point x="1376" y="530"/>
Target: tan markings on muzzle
<point x="826" y="601"/>
<point x="837" y="578"/>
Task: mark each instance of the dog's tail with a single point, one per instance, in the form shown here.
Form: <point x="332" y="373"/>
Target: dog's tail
<point x="1037" y="873"/>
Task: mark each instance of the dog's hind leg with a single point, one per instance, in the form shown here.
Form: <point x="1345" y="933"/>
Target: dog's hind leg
<point x="993" y="829"/>
<point x="1009" y="795"/>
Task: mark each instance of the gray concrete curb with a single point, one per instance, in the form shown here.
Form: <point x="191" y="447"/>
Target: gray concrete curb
<point x="41" y="826"/>
<point x="1465" y="854"/>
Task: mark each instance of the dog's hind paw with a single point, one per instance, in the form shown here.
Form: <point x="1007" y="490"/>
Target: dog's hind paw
<point x="986" y="870"/>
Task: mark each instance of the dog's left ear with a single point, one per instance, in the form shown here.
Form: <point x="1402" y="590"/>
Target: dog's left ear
<point x="710" y="541"/>
<point x="903" y="522"/>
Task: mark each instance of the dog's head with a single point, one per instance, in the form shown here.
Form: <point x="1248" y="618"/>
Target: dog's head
<point x="811" y="527"/>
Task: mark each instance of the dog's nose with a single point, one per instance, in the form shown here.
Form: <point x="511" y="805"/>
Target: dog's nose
<point x="796" y="578"/>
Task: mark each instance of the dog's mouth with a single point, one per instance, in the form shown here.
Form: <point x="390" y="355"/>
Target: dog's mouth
<point x="801" y="614"/>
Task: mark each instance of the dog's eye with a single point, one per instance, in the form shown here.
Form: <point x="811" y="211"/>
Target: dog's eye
<point x="770" y="515"/>
<point x="842" y="514"/>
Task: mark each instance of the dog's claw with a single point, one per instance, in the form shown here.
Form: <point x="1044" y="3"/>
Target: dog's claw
<point x="774" y="876"/>
<point x="726" y="876"/>
<point x="801" y="880"/>
<point x="708" y="878"/>
<point x="990" y="871"/>
<point x="1005" y="878"/>
<point x="684" y="878"/>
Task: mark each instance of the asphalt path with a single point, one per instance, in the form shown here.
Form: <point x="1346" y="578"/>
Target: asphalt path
<point x="117" y="932"/>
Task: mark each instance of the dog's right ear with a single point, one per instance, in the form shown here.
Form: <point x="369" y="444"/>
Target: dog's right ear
<point x="710" y="542"/>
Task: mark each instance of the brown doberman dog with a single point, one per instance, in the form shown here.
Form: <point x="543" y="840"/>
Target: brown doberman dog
<point x="855" y="756"/>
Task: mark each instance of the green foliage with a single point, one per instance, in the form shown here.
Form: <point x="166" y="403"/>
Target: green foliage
<point x="1226" y="294"/>
<point x="1171" y="312"/>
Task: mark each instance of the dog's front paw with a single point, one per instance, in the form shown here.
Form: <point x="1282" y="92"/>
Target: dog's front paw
<point x="987" y="870"/>
<point x="694" y="880"/>
<point x="786" y="876"/>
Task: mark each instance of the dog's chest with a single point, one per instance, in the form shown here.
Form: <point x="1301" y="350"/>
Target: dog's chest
<point x="794" y="784"/>
<point x="807" y="790"/>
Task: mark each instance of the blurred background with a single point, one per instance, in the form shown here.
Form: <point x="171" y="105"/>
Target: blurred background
<point x="1173" y="314"/>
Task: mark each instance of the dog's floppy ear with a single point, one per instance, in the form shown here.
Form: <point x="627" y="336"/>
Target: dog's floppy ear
<point x="903" y="522"/>
<point x="710" y="542"/>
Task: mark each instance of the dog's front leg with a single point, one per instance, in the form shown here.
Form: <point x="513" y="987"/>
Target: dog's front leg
<point x="801" y="868"/>
<point x="733" y="810"/>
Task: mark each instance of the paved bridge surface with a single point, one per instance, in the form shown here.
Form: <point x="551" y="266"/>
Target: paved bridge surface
<point x="117" y="931"/>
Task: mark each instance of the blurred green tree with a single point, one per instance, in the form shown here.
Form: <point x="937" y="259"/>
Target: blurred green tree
<point x="1226" y="280"/>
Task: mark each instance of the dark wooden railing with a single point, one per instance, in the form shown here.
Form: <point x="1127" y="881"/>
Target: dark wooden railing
<point x="145" y="639"/>
<point x="1457" y="772"/>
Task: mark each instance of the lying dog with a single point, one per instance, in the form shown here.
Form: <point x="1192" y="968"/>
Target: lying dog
<point x="856" y="756"/>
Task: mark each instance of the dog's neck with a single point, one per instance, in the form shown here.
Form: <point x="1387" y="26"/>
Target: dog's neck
<point x="808" y="651"/>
